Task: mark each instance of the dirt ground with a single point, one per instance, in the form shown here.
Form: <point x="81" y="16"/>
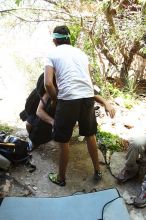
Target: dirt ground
<point x="80" y="170"/>
<point x="79" y="176"/>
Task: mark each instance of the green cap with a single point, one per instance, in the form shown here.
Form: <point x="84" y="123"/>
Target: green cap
<point x="59" y="36"/>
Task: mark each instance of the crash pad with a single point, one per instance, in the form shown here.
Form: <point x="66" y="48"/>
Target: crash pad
<point x="105" y="204"/>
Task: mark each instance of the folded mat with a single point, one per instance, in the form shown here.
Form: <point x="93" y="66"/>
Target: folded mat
<point x="106" y="204"/>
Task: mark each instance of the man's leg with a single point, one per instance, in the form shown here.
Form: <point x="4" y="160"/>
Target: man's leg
<point x="132" y="156"/>
<point x="59" y="178"/>
<point x="131" y="167"/>
<point x="88" y="128"/>
<point x="92" y="149"/>
<point x="140" y="200"/>
<point x="65" y="119"/>
<point x="63" y="160"/>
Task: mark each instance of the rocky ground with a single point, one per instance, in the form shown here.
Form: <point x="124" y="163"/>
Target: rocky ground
<point x="20" y="182"/>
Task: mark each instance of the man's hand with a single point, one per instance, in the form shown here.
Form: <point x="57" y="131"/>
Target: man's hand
<point x="109" y="110"/>
<point x="108" y="107"/>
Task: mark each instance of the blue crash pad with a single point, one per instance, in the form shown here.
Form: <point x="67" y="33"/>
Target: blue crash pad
<point x="77" y="207"/>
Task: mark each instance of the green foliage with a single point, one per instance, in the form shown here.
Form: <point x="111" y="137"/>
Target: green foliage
<point x="109" y="141"/>
<point x="96" y="75"/>
<point x="6" y="128"/>
<point x="143" y="51"/>
<point x="88" y="47"/>
<point x="114" y="92"/>
<point x="17" y="2"/>
<point x="75" y="30"/>
<point x="142" y="1"/>
<point x="129" y="98"/>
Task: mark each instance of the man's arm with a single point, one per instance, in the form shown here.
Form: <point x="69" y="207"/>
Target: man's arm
<point x="41" y="113"/>
<point x="48" y="82"/>
<point x="108" y="108"/>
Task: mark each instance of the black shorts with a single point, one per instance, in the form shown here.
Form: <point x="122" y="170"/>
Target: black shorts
<point x="68" y="112"/>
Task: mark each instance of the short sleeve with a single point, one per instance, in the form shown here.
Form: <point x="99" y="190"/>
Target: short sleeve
<point x="48" y="61"/>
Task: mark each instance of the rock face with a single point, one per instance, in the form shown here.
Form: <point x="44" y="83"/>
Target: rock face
<point x="101" y="157"/>
<point x="5" y="186"/>
<point x="4" y="163"/>
<point x="117" y="162"/>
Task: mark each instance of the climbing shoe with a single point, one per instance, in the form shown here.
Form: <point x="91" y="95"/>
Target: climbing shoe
<point x="97" y="175"/>
<point x="53" y="177"/>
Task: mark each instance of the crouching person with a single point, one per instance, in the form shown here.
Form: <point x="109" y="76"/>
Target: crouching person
<point x="41" y="132"/>
<point x="136" y="152"/>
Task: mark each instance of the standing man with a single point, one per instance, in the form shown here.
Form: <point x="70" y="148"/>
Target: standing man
<point x="75" y="100"/>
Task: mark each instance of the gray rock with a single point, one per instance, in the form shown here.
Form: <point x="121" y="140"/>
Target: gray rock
<point x="117" y="162"/>
<point x="22" y="133"/>
<point x="4" y="163"/>
<point x="5" y="187"/>
<point x="101" y="157"/>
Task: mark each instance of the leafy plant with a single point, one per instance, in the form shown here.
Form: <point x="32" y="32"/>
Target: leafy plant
<point x="17" y="2"/>
<point x="6" y="128"/>
<point x="114" y="91"/>
<point x="109" y="141"/>
<point x="75" y="30"/>
<point x="128" y="96"/>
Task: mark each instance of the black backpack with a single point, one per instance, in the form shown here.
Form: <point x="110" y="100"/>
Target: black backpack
<point x="41" y="133"/>
<point x="34" y="97"/>
<point x="16" y="150"/>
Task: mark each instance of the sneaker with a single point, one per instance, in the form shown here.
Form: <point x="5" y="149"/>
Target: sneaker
<point x="125" y="175"/>
<point x="53" y="177"/>
<point x="97" y="175"/>
<point x="140" y="200"/>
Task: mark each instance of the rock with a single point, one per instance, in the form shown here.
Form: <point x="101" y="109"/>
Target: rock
<point x="35" y="188"/>
<point x="81" y="138"/>
<point x="117" y="162"/>
<point x="119" y="101"/>
<point x="128" y="121"/>
<point x="101" y="157"/>
<point x="4" y="163"/>
<point x="22" y="133"/>
<point x="108" y="156"/>
<point x="5" y="186"/>
<point x="75" y="131"/>
<point x="136" y="215"/>
<point x="128" y="198"/>
<point x="128" y="126"/>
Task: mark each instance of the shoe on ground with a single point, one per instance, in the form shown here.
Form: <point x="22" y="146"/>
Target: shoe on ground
<point x="140" y="200"/>
<point x="126" y="175"/>
<point x="53" y="177"/>
<point x="97" y="176"/>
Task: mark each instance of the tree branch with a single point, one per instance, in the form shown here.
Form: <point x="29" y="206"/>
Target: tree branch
<point x="109" y="18"/>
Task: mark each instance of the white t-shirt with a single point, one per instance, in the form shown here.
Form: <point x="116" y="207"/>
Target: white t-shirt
<point x="71" y="71"/>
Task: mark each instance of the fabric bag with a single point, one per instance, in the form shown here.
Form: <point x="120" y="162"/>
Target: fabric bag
<point x="15" y="149"/>
<point x="41" y="133"/>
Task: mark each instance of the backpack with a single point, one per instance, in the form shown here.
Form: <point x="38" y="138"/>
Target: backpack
<point x="41" y="133"/>
<point x="14" y="149"/>
<point x="33" y="99"/>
